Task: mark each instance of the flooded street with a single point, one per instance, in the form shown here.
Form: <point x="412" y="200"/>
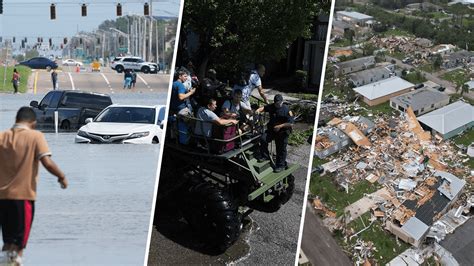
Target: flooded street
<point x="103" y="217"/>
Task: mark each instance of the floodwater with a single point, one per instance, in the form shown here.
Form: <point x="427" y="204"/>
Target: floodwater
<point x="103" y="217"/>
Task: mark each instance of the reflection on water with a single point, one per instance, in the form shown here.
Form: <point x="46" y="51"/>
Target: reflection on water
<point x="103" y="217"/>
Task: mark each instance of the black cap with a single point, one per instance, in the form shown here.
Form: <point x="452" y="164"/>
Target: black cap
<point x="278" y="98"/>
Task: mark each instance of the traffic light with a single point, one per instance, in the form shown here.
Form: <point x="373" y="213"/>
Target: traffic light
<point x="84" y="10"/>
<point x="119" y="10"/>
<point x="52" y="11"/>
<point x="146" y="9"/>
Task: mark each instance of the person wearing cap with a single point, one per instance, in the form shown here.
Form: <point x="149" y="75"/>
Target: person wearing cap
<point x="210" y="85"/>
<point x="22" y="148"/>
<point x="278" y="128"/>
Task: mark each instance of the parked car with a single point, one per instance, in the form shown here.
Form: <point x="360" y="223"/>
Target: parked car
<point x="134" y="63"/>
<point x="407" y="60"/>
<point x="39" y="63"/>
<point x="124" y="124"/>
<point x="419" y="86"/>
<point x="71" y="62"/>
<point x="73" y="108"/>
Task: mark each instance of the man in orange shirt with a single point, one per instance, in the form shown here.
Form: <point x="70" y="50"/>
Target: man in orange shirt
<point x="21" y="150"/>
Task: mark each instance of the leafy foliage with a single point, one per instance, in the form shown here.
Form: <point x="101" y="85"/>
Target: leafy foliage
<point x="234" y="33"/>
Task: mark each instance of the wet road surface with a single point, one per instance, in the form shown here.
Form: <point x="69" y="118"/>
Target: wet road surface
<point x="103" y="217"/>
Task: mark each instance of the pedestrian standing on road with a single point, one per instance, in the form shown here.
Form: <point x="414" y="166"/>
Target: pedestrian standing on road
<point x="134" y="78"/>
<point x="15" y="80"/>
<point x="54" y="79"/>
<point x="279" y="129"/>
<point x="128" y="77"/>
<point x="21" y="149"/>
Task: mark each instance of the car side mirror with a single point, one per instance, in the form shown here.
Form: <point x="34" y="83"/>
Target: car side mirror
<point x="89" y="120"/>
<point x="34" y="104"/>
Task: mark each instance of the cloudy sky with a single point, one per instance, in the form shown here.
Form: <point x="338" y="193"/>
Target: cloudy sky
<point x="31" y="18"/>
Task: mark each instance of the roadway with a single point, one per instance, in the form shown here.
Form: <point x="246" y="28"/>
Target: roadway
<point x="318" y="244"/>
<point x="106" y="81"/>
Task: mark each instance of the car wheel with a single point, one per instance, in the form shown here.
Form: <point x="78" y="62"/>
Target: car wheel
<point x="146" y="70"/>
<point x="119" y="69"/>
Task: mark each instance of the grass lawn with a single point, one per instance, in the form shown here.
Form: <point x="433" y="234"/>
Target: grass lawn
<point x="415" y="77"/>
<point x="383" y="108"/>
<point x="466" y="139"/>
<point x="342" y="43"/>
<point x="334" y="196"/>
<point x="456" y="96"/>
<point x="427" y="68"/>
<point x="385" y="243"/>
<point x="398" y="55"/>
<point x="454" y="76"/>
<point x="24" y="74"/>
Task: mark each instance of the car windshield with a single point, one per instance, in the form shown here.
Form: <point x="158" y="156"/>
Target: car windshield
<point x="141" y="115"/>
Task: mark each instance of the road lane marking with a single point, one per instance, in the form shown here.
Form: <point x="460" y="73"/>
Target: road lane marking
<point x="143" y="81"/>
<point x="36" y="80"/>
<point x="72" y="82"/>
<point x="107" y="81"/>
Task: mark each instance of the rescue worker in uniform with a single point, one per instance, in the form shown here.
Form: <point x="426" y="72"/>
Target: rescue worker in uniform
<point x="279" y="129"/>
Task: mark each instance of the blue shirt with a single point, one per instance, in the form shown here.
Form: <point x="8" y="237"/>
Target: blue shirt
<point x="177" y="104"/>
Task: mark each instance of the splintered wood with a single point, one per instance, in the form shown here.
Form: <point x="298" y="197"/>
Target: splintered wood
<point x="415" y="127"/>
<point x="355" y="134"/>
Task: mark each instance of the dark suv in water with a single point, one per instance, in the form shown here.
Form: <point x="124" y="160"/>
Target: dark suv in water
<point x="73" y="108"/>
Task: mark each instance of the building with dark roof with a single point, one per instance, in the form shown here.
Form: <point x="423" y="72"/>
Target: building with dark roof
<point x="421" y="101"/>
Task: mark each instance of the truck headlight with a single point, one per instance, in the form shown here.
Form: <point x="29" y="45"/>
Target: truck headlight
<point x="139" y="135"/>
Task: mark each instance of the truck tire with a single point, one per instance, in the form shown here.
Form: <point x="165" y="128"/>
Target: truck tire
<point x="278" y="200"/>
<point x="211" y="212"/>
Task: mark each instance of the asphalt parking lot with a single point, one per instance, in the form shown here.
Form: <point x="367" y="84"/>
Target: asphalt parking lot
<point x="267" y="238"/>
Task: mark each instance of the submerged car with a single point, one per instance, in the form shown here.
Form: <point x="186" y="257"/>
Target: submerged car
<point x="39" y="63"/>
<point x="124" y="124"/>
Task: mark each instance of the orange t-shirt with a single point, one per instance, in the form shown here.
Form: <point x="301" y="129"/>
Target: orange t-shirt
<point x="20" y="151"/>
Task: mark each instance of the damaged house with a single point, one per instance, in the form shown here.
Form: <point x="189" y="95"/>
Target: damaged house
<point x="459" y="58"/>
<point x="421" y="101"/>
<point x="423" y="206"/>
<point x="332" y="139"/>
<point x="450" y="120"/>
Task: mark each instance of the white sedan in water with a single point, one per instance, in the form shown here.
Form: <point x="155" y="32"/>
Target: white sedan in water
<point x="124" y="124"/>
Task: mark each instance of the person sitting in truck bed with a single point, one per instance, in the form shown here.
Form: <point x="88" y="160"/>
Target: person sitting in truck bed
<point x="207" y="118"/>
<point x="236" y="109"/>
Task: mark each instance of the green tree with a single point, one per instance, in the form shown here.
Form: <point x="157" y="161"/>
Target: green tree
<point x="464" y="89"/>
<point x="31" y="53"/>
<point x="349" y="35"/>
<point x="233" y="33"/>
<point x="438" y="60"/>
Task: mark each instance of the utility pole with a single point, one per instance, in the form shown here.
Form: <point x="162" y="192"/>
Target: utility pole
<point x="144" y="38"/>
<point x="151" y="32"/>
<point x="157" y="41"/>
